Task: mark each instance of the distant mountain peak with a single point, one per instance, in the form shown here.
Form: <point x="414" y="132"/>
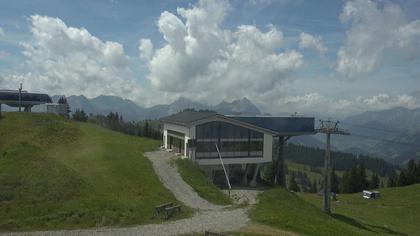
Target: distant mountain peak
<point x="240" y="106"/>
<point x="104" y="104"/>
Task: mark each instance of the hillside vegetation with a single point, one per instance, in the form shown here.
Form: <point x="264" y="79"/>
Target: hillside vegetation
<point x="197" y="179"/>
<point x="58" y="174"/>
<point x="396" y="213"/>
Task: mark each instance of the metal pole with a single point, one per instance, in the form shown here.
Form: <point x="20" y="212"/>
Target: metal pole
<point x="221" y="161"/>
<point x="327" y="177"/>
<point x="20" y="97"/>
<point x="279" y="178"/>
<point x="328" y="127"/>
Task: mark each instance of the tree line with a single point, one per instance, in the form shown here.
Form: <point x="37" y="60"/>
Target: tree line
<point x="115" y="121"/>
<point x="407" y="176"/>
<point x="341" y="161"/>
<point x="356" y="179"/>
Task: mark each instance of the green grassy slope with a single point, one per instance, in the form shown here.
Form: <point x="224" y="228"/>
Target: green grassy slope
<point x="396" y="213"/>
<point x="57" y="174"/>
<point x="197" y="179"/>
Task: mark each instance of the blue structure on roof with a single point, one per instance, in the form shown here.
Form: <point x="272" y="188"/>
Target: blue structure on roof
<point x="281" y="125"/>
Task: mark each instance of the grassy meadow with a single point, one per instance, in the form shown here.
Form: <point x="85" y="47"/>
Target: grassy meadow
<point x="396" y="213"/>
<point x="59" y="174"/>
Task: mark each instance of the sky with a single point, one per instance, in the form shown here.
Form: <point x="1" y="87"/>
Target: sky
<point x="330" y="58"/>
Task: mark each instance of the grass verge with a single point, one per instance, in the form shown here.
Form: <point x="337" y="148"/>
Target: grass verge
<point x="197" y="179"/>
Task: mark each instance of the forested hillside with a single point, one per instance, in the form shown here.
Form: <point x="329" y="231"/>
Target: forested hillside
<point x="314" y="157"/>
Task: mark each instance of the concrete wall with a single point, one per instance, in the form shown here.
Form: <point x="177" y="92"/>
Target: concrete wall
<point x="177" y="128"/>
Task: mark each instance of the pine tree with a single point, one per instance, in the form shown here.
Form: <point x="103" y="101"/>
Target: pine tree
<point x="146" y="131"/>
<point x="293" y="186"/>
<point x="353" y="180"/>
<point x="334" y="182"/>
<point x="411" y="172"/>
<point x="361" y="181"/>
<point x="314" y="187"/>
<point x="345" y="186"/>
<point x="374" y="181"/>
<point x="79" y="115"/>
<point x="402" y="179"/>
<point x="63" y="100"/>
<point x="418" y="172"/>
<point x="392" y="180"/>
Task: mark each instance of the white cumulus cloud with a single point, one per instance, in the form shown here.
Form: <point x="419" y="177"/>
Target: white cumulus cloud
<point x="68" y="60"/>
<point x="146" y="49"/>
<point x="313" y="42"/>
<point x="373" y="30"/>
<point x="1" y="32"/>
<point x="203" y="61"/>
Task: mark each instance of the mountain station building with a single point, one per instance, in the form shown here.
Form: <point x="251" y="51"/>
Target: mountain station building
<point x="24" y="99"/>
<point x="244" y="141"/>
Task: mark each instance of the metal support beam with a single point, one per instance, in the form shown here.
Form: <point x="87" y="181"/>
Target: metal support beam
<point x="253" y="182"/>
<point x="245" y="176"/>
<point x="20" y="97"/>
<point x="327" y="177"/>
<point x="328" y="127"/>
<point x="280" y="176"/>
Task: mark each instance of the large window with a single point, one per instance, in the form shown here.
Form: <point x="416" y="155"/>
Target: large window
<point x="232" y="140"/>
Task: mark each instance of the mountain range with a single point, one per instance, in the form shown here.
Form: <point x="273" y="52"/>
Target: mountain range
<point x="391" y="134"/>
<point x="133" y="112"/>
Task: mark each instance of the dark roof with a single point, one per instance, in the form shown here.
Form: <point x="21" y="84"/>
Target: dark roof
<point x="11" y="97"/>
<point x="280" y="125"/>
<point x="277" y="125"/>
<point x="187" y="117"/>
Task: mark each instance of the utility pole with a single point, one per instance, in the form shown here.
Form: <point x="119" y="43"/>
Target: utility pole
<point x="20" y="97"/>
<point x="328" y="127"/>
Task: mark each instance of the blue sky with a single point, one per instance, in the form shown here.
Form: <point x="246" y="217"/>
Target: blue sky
<point x="312" y="77"/>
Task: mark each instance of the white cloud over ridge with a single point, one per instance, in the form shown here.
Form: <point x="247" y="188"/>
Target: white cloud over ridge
<point x="373" y="30"/>
<point x="309" y="41"/>
<point x="320" y="105"/>
<point x="71" y="61"/>
<point x="203" y="61"/>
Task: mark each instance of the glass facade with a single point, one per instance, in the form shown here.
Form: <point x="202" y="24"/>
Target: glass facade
<point x="232" y="140"/>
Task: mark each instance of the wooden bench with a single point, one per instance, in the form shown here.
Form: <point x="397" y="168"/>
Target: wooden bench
<point x="170" y="210"/>
<point x="209" y="233"/>
<point x="161" y="208"/>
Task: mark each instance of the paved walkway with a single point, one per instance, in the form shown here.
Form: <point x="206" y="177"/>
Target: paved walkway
<point x="208" y="217"/>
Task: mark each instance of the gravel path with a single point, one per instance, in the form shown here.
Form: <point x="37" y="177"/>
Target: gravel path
<point x="171" y="179"/>
<point x="219" y="221"/>
<point x="241" y="196"/>
<point x="208" y="217"/>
